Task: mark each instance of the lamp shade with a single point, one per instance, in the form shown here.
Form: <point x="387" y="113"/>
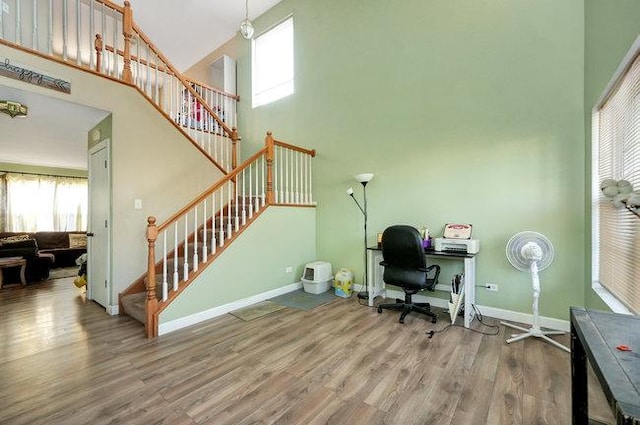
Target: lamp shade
<point x="350" y="191"/>
<point x="364" y="178"/>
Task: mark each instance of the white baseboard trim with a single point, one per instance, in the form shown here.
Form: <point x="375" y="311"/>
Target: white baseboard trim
<point x="183" y="322"/>
<point x="497" y="313"/>
<point x="527" y="318"/>
<point x="113" y="310"/>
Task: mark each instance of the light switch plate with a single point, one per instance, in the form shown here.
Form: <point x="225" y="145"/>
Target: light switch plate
<point x="137" y="204"/>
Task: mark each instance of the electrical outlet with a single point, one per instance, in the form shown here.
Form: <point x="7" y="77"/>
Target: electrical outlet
<point x="491" y="287"/>
<point x="289" y="269"/>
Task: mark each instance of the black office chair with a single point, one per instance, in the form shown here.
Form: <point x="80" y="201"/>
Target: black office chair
<point x="405" y="266"/>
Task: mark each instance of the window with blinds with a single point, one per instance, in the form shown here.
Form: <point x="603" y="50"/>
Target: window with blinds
<point x="616" y="139"/>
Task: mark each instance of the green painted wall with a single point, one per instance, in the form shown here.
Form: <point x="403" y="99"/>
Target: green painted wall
<point x="254" y="263"/>
<point x="611" y="27"/>
<point x="105" y="130"/>
<point x="466" y="111"/>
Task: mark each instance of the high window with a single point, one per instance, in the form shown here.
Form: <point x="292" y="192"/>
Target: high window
<point x="616" y="155"/>
<point x="272" y="64"/>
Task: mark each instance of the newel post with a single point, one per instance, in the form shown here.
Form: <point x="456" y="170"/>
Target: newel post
<point x="152" y="299"/>
<point x="127" y="32"/>
<point x="234" y="148"/>
<point x="97" y="44"/>
<point x="270" y="153"/>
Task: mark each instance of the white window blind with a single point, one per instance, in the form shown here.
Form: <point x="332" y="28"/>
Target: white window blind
<point x="272" y="68"/>
<point x="616" y="138"/>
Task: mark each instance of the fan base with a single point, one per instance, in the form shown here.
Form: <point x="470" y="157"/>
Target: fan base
<point x="536" y="332"/>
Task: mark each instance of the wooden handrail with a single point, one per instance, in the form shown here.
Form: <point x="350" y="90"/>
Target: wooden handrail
<point x="134" y="58"/>
<point x="311" y="152"/>
<point x="110" y="5"/>
<point x="211" y="189"/>
<point x="215" y="89"/>
<point x="182" y="79"/>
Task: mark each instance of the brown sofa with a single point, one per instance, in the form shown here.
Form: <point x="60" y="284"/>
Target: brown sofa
<point x="43" y="251"/>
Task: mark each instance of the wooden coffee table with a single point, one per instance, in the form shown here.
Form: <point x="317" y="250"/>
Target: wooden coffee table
<point x="13" y="262"/>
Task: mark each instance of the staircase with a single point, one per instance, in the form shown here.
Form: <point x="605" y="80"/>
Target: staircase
<point x="189" y="241"/>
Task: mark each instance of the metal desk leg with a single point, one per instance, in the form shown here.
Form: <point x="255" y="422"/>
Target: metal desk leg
<point x="579" y="396"/>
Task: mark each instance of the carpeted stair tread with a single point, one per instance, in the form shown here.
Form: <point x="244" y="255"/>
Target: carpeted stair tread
<point x="134" y="306"/>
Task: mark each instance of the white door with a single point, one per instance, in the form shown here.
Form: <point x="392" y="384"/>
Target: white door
<point x="98" y="287"/>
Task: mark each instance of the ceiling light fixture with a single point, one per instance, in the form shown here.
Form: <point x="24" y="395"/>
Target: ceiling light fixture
<point x="246" y="28"/>
<point x="13" y="109"/>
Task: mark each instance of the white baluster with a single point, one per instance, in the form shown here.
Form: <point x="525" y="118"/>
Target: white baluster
<point x="205" y="254"/>
<point x="195" y="239"/>
<point x="256" y="203"/>
<point x="310" y="181"/>
<point x="286" y="167"/>
<point x="221" y="236"/>
<point x="185" y="249"/>
<point x="165" y="284"/>
<point x="157" y="87"/>
<point x="78" y="26"/>
<point x="250" y="193"/>
<point x="115" y="70"/>
<point x="276" y="163"/>
<point x="92" y="34"/>
<point x="175" y="257"/>
<point x="229" y="209"/>
<point x="50" y="29"/>
<point x="65" y="29"/>
<point x="235" y="201"/>
<point x="264" y="180"/>
<point x="213" y="223"/>
<point x="244" y="199"/>
<point x="18" y="34"/>
<point x="147" y="87"/>
<point x="34" y="19"/>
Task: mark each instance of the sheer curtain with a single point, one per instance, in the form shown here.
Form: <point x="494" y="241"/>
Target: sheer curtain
<point x="45" y="203"/>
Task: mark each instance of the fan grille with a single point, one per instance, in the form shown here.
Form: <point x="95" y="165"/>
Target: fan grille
<point x="517" y="248"/>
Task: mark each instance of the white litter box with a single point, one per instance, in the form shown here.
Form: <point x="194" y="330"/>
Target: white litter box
<point x="317" y="277"/>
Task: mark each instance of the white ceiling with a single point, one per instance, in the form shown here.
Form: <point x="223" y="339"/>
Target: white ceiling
<point x="185" y="31"/>
<point x="55" y="132"/>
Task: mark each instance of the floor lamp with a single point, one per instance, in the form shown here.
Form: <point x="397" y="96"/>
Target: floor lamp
<point x="363" y="179"/>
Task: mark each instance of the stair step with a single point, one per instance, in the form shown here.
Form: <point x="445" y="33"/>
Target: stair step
<point x="134" y="306"/>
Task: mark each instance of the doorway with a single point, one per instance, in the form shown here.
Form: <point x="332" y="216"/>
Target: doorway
<point x="98" y="228"/>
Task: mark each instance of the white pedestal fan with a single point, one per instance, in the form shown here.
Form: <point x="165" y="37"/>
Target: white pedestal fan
<point x="531" y="251"/>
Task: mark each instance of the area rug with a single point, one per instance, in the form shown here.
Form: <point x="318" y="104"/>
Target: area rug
<point x="303" y="300"/>
<point x="62" y="272"/>
<point x="256" y="310"/>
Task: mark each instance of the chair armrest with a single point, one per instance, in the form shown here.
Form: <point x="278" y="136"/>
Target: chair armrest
<point x="432" y="282"/>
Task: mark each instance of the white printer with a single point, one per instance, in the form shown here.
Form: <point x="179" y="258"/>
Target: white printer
<point x="457" y="237"/>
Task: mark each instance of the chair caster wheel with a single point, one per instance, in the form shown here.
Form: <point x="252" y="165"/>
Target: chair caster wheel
<point x="379" y="309"/>
<point x="434" y="320"/>
<point x="401" y="321"/>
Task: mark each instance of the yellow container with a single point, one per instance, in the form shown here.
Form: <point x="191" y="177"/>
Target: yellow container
<point x="343" y="283"/>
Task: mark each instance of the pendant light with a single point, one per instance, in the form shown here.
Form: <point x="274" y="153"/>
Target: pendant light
<point x="246" y="28"/>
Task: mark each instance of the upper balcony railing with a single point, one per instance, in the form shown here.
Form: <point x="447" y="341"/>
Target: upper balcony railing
<point x="101" y="36"/>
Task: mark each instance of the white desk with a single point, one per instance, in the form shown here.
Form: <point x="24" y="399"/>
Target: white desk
<point x="377" y="286"/>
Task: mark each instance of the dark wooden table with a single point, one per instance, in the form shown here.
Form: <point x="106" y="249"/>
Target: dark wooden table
<point x="13" y="262"/>
<point x="595" y="336"/>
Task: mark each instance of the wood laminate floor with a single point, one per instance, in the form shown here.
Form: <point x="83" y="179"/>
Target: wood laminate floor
<point x="63" y="360"/>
